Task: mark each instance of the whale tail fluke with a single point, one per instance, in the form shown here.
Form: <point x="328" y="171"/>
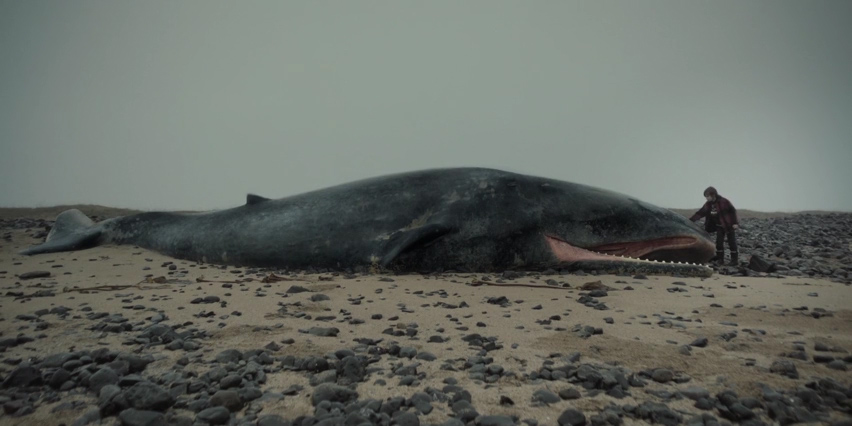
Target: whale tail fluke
<point x="73" y="230"/>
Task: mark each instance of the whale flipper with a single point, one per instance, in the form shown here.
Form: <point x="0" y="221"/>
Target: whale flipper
<point x="403" y="241"/>
<point x="252" y="199"/>
<point x="73" y="230"/>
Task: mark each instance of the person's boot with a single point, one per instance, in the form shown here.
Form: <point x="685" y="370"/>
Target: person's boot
<point x="734" y="259"/>
<point x="719" y="260"/>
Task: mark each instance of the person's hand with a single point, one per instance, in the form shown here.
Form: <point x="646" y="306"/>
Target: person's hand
<point x="736" y="226"/>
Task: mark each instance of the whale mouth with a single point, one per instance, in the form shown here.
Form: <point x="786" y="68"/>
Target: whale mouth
<point x="678" y="249"/>
<point x="670" y="249"/>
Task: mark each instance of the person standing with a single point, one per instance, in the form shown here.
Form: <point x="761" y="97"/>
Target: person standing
<point x="721" y="219"/>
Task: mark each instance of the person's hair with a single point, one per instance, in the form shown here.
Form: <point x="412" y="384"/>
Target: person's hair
<point x="710" y="191"/>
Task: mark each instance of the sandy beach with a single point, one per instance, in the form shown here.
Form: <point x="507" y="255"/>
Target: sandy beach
<point x="527" y="347"/>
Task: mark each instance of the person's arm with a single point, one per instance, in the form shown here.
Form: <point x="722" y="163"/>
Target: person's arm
<point x="733" y="211"/>
<point x="700" y="213"/>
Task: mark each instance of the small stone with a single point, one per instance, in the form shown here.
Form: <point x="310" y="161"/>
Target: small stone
<point x="228" y="399"/>
<point x="407" y="352"/>
<point x="662" y="375"/>
<point x="328" y="376"/>
<point x="422" y="402"/>
<point x="426" y="356"/>
<point x="695" y="393"/>
<point x="495" y="421"/>
<point x="148" y="396"/>
<point x="59" y="378"/>
<point x="34" y="274"/>
<point x="406" y="418"/>
<point x="104" y="376"/>
<point x="784" y="368"/>
<point x="229" y="355"/>
<point x="704" y="404"/>
<point x="89" y="417"/>
<point x="545" y="396"/>
<point x="757" y="263"/>
<point x="332" y="393"/>
<point x="133" y="417"/>
<point x="230" y="381"/>
<point x="572" y="417"/>
<point x="701" y="342"/>
<point x="214" y="415"/>
<point x="837" y="364"/>
<point x="272" y="420"/>
<point x="23" y="376"/>
<point x="569" y="394"/>
<point x="740" y="411"/>
<point x="323" y="331"/>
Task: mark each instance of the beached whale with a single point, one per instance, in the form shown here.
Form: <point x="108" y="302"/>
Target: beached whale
<point x="463" y="219"/>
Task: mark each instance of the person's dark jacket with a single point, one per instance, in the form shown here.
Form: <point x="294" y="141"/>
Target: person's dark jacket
<point x="727" y="216"/>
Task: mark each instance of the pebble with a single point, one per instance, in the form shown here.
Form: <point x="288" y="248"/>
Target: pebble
<point x="148" y="396"/>
<point x="571" y="417"/>
<point x="784" y="368"/>
<point x="332" y="393"/>
<point x="34" y="274"/>
<point x="405" y="418"/>
<point x="323" y="331"/>
<point x="272" y="420"/>
<point x="837" y="365"/>
<point x="214" y="415"/>
<point x="569" y="394"/>
<point x="104" y="376"/>
<point x="700" y="342"/>
<point x="494" y="421"/>
<point x="662" y="375"/>
<point x="133" y="417"/>
<point x="545" y="396"/>
<point x="226" y="398"/>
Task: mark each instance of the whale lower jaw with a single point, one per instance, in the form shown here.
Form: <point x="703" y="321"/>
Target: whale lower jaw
<point x="574" y="258"/>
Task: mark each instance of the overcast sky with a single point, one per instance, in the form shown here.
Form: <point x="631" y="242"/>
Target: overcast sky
<point x="192" y="104"/>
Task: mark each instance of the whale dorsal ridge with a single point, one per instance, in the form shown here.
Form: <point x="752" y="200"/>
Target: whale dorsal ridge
<point x="252" y="199"/>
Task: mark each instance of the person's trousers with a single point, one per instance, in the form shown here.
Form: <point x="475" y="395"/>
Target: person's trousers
<point x="720" y="245"/>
